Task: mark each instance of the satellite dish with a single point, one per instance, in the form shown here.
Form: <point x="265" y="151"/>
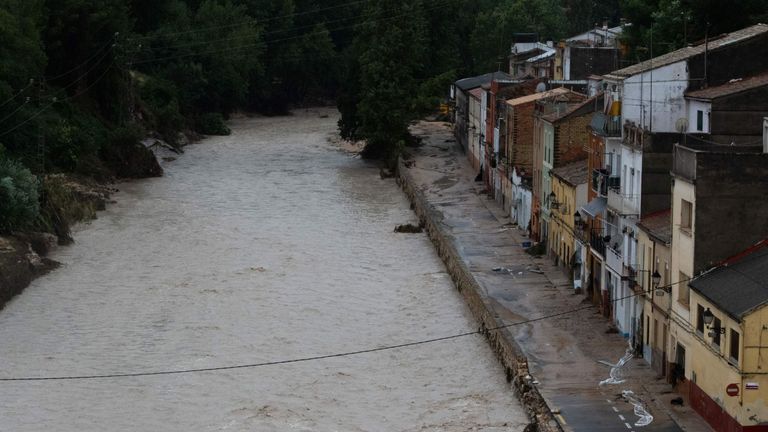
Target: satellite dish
<point x="541" y="87"/>
<point x="681" y="125"/>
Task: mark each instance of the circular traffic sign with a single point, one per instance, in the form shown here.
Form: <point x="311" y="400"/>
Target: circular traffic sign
<point x="732" y="389"/>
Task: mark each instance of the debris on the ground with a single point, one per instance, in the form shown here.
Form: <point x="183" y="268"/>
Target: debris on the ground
<point x="409" y="228"/>
<point x="678" y="401"/>
<point x="616" y="376"/>
<point x="645" y="418"/>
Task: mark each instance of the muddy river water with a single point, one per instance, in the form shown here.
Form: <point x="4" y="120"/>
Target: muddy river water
<point x="265" y="245"/>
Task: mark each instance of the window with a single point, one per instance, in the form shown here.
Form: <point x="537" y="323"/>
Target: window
<point x="700" y="319"/>
<point x="648" y="330"/>
<point x="624" y="177"/>
<point x="686" y="216"/>
<point x="716" y="325"/>
<point x="682" y="290"/>
<point x="734" y="354"/>
<point x="699" y="120"/>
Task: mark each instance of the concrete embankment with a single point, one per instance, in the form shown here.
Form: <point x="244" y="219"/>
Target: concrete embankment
<point x="500" y="339"/>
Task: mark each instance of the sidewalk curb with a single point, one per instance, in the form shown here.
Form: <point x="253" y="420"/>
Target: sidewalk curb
<point x="502" y="341"/>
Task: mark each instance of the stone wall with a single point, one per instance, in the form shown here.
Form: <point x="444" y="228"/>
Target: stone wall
<point x="501" y="339"/>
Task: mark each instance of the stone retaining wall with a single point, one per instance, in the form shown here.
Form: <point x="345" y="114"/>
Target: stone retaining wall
<point x="501" y="340"/>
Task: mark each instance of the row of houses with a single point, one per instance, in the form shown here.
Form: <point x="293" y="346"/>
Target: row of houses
<point x="648" y="184"/>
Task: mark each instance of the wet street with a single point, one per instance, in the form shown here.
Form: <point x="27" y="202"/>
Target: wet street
<point x="270" y="244"/>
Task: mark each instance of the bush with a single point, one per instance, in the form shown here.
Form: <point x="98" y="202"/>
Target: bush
<point x="127" y="157"/>
<point x="19" y="191"/>
<point x="160" y="99"/>
<point x="212" y="124"/>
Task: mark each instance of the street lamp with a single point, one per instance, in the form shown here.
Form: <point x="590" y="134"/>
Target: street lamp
<point x="553" y="204"/>
<point x="577" y="219"/>
<point x="656" y="278"/>
<point x="709" y="318"/>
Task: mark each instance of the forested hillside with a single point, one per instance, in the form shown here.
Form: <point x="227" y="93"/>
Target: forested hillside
<point x="83" y="81"/>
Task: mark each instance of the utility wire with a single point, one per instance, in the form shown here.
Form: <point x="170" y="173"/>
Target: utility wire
<point x="9" y="115"/>
<point x="299" y="28"/>
<point x="105" y="54"/>
<point x="30" y="84"/>
<point x="247" y="22"/>
<point x="74" y="82"/>
<point x="55" y="100"/>
<point x="262" y="43"/>
<point x="109" y="44"/>
<point x="312" y="358"/>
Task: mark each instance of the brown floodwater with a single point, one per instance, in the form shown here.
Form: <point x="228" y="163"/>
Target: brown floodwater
<point x="265" y="245"/>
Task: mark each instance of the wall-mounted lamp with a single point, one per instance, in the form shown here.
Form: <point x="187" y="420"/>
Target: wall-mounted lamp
<point x="709" y="318"/>
<point x="553" y="204"/>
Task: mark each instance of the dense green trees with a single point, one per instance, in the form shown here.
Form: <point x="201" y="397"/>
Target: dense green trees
<point x="19" y="206"/>
<point x="671" y="24"/>
<point x="82" y="80"/>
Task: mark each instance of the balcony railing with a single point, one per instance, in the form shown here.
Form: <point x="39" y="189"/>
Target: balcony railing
<point x="600" y="181"/>
<point x="613" y="258"/>
<point x="606" y="125"/>
<point x="623" y="204"/>
<point x="597" y="243"/>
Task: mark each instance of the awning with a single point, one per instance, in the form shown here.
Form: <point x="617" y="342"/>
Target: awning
<point x="595" y="207"/>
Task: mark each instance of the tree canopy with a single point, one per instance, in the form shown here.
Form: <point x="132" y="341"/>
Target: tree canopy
<point x="77" y="74"/>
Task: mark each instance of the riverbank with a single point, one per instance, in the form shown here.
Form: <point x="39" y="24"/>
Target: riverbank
<point x="67" y="200"/>
<point x="500" y="338"/>
<point x="266" y="245"/>
<point x="553" y="336"/>
<point x="24" y="255"/>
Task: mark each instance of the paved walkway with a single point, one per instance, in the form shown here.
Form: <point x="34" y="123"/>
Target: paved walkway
<point x="564" y="352"/>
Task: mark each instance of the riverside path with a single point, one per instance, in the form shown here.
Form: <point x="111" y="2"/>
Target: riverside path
<point x="564" y="353"/>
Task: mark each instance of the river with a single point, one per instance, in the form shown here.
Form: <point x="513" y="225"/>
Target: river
<point x="264" y="245"/>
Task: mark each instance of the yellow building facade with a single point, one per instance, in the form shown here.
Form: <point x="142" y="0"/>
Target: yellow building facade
<point x="569" y="193"/>
<point x="655" y="255"/>
<point x="729" y="353"/>
<point x="718" y="311"/>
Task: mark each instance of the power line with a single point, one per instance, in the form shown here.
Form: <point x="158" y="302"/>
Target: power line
<point x="109" y="44"/>
<point x="36" y="114"/>
<point x="250" y="21"/>
<point x="299" y="28"/>
<point x="311" y="358"/>
<point x="21" y="105"/>
<point x="55" y="100"/>
<point x="75" y="81"/>
<point x="262" y="43"/>
<point x="29" y="84"/>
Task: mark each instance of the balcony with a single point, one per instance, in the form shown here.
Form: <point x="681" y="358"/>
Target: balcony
<point x="623" y="205"/>
<point x="597" y="243"/>
<point x="608" y="126"/>
<point x="613" y="258"/>
<point x="600" y="181"/>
